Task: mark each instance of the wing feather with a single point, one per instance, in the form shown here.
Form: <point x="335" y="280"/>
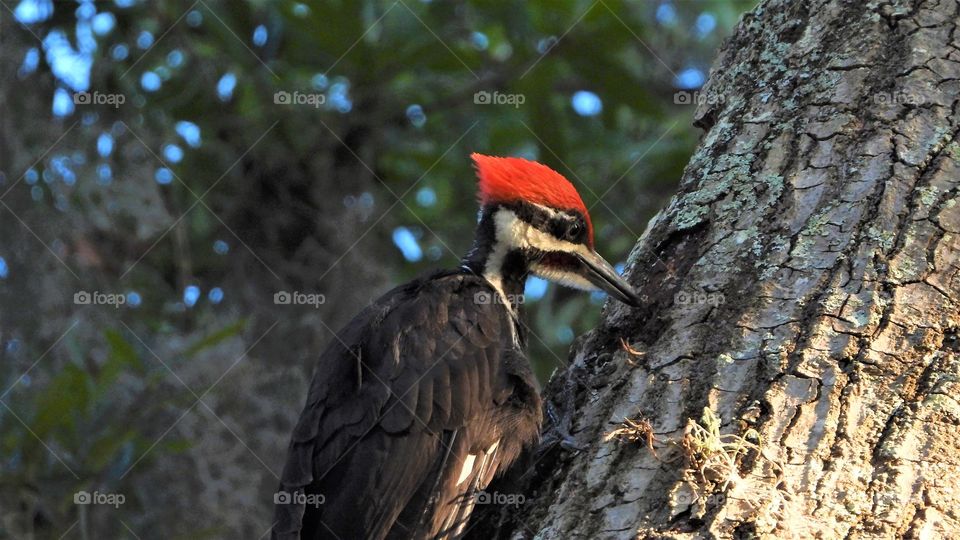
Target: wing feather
<point x="432" y="364"/>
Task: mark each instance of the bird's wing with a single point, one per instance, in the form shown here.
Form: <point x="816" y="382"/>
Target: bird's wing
<point x="389" y="407"/>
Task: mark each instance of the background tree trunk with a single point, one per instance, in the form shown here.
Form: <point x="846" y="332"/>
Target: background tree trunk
<point x="803" y="286"/>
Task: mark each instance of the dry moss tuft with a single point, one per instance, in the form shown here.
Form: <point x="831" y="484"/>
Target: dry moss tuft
<point x="713" y="458"/>
<point x="633" y="431"/>
<point x="631" y="351"/>
<point x="713" y="464"/>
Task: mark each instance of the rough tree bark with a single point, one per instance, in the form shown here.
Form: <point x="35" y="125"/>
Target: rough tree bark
<point x="803" y="286"/>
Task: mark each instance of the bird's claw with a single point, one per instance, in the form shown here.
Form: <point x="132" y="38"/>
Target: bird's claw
<point x="567" y="442"/>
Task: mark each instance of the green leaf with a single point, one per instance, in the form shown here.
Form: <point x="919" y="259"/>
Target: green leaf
<point x="61" y="403"/>
<point x="177" y="446"/>
<point x="215" y="338"/>
<point x="122" y="354"/>
<point x="103" y="450"/>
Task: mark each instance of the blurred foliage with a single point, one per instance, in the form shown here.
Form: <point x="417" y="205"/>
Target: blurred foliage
<point x="200" y="196"/>
<point x="91" y="424"/>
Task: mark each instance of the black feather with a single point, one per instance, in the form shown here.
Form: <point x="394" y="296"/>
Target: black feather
<point x="440" y="379"/>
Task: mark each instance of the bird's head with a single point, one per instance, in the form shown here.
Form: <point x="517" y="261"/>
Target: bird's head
<point x="535" y="222"/>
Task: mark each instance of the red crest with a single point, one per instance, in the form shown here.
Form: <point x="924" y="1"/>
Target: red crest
<point x="510" y="179"/>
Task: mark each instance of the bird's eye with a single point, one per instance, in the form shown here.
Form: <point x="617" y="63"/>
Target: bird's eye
<point x="573" y="232"/>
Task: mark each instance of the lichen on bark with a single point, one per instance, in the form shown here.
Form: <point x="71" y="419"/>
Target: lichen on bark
<point x="814" y="248"/>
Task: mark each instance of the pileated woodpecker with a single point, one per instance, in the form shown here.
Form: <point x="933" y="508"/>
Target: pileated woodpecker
<point x="427" y="394"/>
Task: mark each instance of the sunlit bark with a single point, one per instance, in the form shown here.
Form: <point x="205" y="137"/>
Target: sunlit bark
<point x="803" y="286"/>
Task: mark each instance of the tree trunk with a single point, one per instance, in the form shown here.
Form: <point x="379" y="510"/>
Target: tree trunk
<point x="802" y="287"/>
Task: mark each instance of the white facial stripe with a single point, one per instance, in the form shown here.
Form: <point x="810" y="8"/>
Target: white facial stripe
<point x="513" y="232"/>
<point x="507" y="225"/>
<point x="553" y="212"/>
<point x="503" y="225"/>
<point x="564" y="278"/>
<point x="549" y="211"/>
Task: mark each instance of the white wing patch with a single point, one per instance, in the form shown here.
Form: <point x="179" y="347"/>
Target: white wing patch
<point x="463" y="504"/>
<point x="467" y="468"/>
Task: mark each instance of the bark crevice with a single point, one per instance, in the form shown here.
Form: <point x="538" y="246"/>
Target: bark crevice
<point x="804" y="283"/>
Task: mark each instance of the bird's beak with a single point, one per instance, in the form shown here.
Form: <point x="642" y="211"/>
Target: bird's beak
<point x="603" y="276"/>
